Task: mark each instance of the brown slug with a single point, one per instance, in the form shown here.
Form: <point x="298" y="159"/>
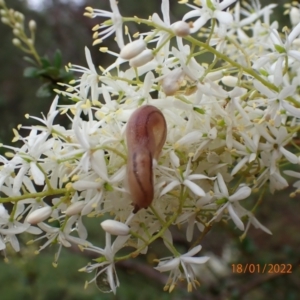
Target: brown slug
<point x="146" y="134"/>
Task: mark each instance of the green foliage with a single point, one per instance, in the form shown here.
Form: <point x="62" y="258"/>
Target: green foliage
<point x="50" y="72"/>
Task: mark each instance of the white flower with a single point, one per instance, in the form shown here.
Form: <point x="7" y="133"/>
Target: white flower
<point x="294" y="174"/>
<point x="10" y="227"/>
<point x="182" y="267"/>
<point x="229" y="202"/>
<point x="186" y="178"/>
<point x="276" y="101"/>
<point x="280" y="51"/>
<point x="108" y="28"/>
<point x="274" y="146"/>
<point x="106" y="276"/>
<point x="232" y="124"/>
<point x="62" y="236"/>
<point x="248" y="149"/>
<point x="86" y="87"/>
<point x="210" y="9"/>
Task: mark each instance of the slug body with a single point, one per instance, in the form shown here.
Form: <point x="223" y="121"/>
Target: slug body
<point x="145" y="134"/>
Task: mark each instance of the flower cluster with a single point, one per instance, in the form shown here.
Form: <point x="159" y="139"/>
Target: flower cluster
<point x="232" y="124"/>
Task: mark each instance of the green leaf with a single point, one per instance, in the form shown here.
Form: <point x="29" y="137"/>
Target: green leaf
<point x="30" y="60"/>
<point x="31" y="72"/>
<point x="44" y="90"/>
<point x="57" y="59"/>
<point x="45" y="62"/>
<point x="50" y="71"/>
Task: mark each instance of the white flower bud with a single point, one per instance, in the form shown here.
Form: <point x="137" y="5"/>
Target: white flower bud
<point x="39" y="215"/>
<point x="32" y="25"/>
<point x="141" y="59"/>
<point x="215" y="75"/>
<point x="19" y="16"/>
<point x="82" y="185"/>
<point x="114" y="227"/>
<point x="75" y="208"/>
<point x="181" y="28"/>
<point x="171" y="82"/>
<point x="295" y="16"/>
<point x="230" y="81"/>
<point x="16" y="32"/>
<point x="4" y="20"/>
<point x="133" y="49"/>
<point x="16" y="42"/>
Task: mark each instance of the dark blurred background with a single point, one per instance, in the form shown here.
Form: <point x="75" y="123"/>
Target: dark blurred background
<point x="61" y="25"/>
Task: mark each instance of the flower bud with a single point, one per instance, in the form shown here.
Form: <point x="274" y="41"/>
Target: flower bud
<point x="133" y="49"/>
<point x="181" y="28"/>
<point x="19" y="16"/>
<point x="75" y="208"/>
<point x="16" y="42"/>
<point x="32" y="25"/>
<point x="39" y="215"/>
<point x="295" y="16"/>
<point x="4" y="20"/>
<point x="16" y="32"/>
<point x="230" y="81"/>
<point x="141" y="59"/>
<point x="114" y="227"/>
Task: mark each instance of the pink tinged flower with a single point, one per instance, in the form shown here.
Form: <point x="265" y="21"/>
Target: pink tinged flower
<point x="181" y="28"/>
<point x="171" y="82"/>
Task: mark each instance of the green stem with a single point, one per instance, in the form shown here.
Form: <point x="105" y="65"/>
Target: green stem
<point x="33" y="195"/>
<point x="247" y="70"/>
